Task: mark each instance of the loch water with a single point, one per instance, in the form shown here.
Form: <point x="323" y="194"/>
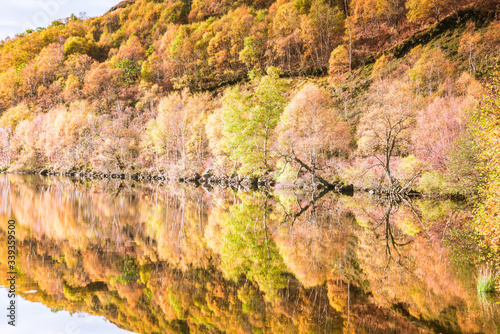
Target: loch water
<point x="112" y="256"/>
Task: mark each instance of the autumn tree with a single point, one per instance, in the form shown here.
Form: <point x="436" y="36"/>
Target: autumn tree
<point x="50" y="95"/>
<point x="69" y="135"/>
<point x="249" y="119"/>
<point x="5" y="142"/>
<point x="366" y="14"/>
<point x="118" y="143"/>
<point x="48" y="63"/>
<point x="216" y="141"/>
<point x="469" y="47"/>
<point x="385" y="129"/>
<point x="9" y="88"/>
<point x="392" y="10"/>
<point x="490" y="45"/>
<point x="183" y="57"/>
<point x="487" y="131"/>
<point x="201" y="9"/>
<point x="15" y="115"/>
<point x="102" y="85"/>
<point x="72" y="89"/>
<point x="311" y="131"/>
<point x="321" y="29"/>
<point x="79" y="45"/>
<point x="26" y="142"/>
<point x="285" y="37"/>
<point x="432" y="71"/>
<point x="177" y="135"/>
<point x="422" y="10"/>
<point x="78" y="65"/>
<point x="438" y="126"/>
<point x="29" y="81"/>
<point x="228" y="42"/>
<point x="339" y="65"/>
<point x="381" y="67"/>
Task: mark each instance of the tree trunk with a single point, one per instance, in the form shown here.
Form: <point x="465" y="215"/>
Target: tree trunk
<point x="316" y="176"/>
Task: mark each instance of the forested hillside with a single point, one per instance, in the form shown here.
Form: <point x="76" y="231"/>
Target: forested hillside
<point x="382" y="94"/>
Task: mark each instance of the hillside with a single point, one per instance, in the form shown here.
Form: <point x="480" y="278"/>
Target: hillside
<point x="389" y="96"/>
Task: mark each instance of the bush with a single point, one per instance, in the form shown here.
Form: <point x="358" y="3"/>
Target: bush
<point x="486" y="281"/>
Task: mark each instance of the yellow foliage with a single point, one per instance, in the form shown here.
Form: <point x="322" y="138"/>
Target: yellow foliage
<point x="431" y="71"/>
<point x="13" y="116"/>
<point x="339" y="65"/>
<point x="311" y="126"/>
<point x="380" y="69"/>
<point x="423" y="9"/>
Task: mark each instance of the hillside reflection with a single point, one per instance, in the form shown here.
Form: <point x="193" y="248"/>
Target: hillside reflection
<point x="157" y="259"/>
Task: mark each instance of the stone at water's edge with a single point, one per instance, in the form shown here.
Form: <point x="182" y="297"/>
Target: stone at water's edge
<point x="195" y="178"/>
<point x="347" y="189"/>
<point x="205" y="178"/>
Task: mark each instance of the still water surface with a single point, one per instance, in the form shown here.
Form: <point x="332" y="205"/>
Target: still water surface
<point x="171" y="259"/>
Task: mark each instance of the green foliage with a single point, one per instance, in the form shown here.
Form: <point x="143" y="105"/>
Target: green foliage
<point x="250" y="118"/>
<point x="249" y="249"/>
<point x="433" y="182"/>
<point x="131" y="70"/>
<point x="251" y="53"/>
<point x="486" y="283"/>
<point x="129" y="271"/>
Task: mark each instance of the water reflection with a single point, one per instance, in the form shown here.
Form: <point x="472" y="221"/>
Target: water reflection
<point x="155" y="259"/>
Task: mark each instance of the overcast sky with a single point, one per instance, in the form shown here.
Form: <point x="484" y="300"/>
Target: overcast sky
<point x="19" y="15"/>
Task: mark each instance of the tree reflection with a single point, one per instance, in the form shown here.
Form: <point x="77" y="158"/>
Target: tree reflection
<point x="291" y="217"/>
<point x="393" y="239"/>
<point x="153" y="260"/>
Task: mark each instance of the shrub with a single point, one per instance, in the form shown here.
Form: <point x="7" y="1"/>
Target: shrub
<point x="486" y="281"/>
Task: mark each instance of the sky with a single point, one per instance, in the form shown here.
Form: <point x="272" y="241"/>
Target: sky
<point x="19" y="15"/>
<point x="36" y="318"/>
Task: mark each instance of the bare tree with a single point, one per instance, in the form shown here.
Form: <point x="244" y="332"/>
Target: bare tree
<point x="385" y="132"/>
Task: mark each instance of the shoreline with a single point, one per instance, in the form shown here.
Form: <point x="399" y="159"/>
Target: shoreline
<point x="241" y="183"/>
